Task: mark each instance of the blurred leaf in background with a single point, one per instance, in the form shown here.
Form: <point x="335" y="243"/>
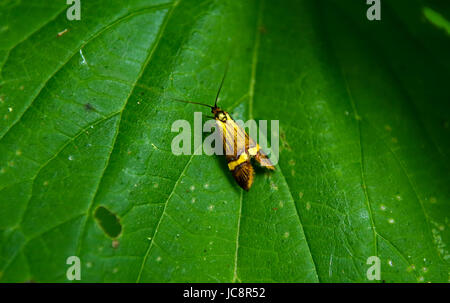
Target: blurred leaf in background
<point x="86" y="167"/>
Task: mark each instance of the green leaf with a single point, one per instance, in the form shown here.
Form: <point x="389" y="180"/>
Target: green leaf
<point x="86" y="167"/>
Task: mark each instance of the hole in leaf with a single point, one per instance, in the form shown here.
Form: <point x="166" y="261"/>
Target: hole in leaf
<point x="108" y="221"/>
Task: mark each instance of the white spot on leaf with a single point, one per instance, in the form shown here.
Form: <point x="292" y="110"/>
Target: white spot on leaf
<point x="82" y="57"/>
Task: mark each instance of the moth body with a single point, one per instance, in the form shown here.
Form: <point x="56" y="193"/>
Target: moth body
<point x="239" y="148"/>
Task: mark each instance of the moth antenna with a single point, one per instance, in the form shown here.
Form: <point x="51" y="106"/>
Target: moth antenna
<point x="221" y="83"/>
<point x="192" y="102"/>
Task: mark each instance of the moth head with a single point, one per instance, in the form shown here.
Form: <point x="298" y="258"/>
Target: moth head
<point x="219" y="114"/>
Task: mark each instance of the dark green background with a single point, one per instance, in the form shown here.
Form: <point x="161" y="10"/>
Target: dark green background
<point x="85" y="122"/>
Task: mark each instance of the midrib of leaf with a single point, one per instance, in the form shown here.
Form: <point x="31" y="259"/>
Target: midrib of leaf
<point x="255" y="57"/>
<point x="251" y="92"/>
<point x="251" y="95"/>
<point x="235" y="274"/>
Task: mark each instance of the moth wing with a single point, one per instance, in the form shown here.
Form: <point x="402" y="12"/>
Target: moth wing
<point x="255" y="151"/>
<point x="236" y="142"/>
<point x="263" y="160"/>
<point x="234" y="138"/>
<point x="243" y="174"/>
<point x="235" y="146"/>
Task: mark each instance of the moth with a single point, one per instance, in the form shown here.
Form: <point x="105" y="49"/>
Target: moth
<point x="239" y="148"/>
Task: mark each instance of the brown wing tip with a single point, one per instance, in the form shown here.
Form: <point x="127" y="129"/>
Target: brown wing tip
<point x="264" y="161"/>
<point x="243" y="174"/>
